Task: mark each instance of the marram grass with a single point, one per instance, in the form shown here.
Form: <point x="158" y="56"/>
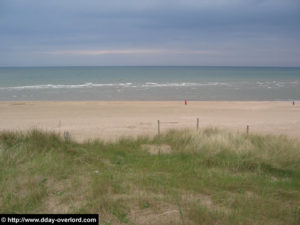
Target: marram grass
<point x="182" y="177"/>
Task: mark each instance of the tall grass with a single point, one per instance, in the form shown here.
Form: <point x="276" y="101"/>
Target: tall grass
<point x="207" y="177"/>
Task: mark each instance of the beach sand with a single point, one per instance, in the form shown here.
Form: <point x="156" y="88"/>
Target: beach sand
<point x="110" y="120"/>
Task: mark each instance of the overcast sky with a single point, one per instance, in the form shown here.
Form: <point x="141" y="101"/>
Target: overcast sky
<point x="150" y="32"/>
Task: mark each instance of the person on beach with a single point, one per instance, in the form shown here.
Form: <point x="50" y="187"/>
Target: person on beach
<point x="185" y="102"/>
<point x="293" y="102"/>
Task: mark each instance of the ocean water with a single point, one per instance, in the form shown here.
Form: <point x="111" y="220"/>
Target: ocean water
<point x="149" y="83"/>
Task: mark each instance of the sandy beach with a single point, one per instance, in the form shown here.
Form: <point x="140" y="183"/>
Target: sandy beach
<point x="110" y="120"/>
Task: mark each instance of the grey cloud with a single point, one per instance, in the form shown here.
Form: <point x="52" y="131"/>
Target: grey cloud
<point x="34" y="26"/>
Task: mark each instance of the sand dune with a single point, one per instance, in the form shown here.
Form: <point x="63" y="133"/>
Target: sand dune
<point x="110" y="120"/>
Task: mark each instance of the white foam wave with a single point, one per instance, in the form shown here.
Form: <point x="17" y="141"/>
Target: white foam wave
<point x="65" y="86"/>
<point x="183" y="84"/>
<point x="91" y="85"/>
<point x="277" y="84"/>
<point x="261" y="84"/>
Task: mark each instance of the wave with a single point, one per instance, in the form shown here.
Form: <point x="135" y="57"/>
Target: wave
<point x="92" y="85"/>
<point x="277" y="84"/>
<point x="183" y="84"/>
<point x="65" y="86"/>
<point x="146" y="85"/>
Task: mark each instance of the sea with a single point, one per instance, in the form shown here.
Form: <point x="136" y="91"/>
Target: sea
<point x="149" y="83"/>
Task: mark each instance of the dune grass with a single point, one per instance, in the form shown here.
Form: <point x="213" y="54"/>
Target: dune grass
<point x="182" y="177"/>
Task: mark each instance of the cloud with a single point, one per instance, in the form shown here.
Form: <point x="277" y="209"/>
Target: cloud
<point x="94" y="28"/>
<point x="130" y="52"/>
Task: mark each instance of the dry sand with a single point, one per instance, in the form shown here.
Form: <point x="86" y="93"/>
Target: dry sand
<point x="110" y="120"/>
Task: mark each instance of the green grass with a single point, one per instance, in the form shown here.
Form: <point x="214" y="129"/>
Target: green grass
<point x="207" y="177"/>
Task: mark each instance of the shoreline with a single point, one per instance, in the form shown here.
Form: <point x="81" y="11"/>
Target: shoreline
<point x="182" y="100"/>
<point x="110" y="120"/>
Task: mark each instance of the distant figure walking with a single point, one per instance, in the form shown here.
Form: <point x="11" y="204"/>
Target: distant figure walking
<point x="293" y="102"/>
<point x="185" y="102"/>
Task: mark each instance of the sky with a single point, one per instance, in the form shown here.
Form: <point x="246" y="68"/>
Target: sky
<point x="150" y="32"/>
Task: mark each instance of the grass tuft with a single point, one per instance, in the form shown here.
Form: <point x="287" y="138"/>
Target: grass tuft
<point x="210" y="176"/>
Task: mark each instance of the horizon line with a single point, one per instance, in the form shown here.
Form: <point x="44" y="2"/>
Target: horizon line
<point x="243" y="66"/>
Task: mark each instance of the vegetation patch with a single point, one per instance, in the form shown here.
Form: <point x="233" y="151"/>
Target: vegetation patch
<point x="209" y="176"/>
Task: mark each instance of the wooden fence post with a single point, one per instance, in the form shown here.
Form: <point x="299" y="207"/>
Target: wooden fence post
<point x="67" y="136"/>
<point x="247" y="129"/>
<point x="197" y="123"/>
<point x="158" y="127"/>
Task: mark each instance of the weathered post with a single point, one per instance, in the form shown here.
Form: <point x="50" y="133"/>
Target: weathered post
<point x="247" y="129"/>
<point x="158" y="127"/>
<point x="158" y="133"/>
<point x="197" y="123"/>
<point x="67" y="136"/>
